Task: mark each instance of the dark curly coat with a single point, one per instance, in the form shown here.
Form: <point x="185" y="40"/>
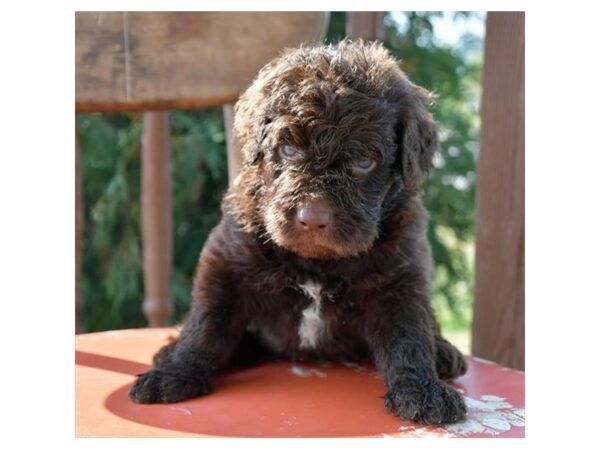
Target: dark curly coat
<point x="322" y="253"/>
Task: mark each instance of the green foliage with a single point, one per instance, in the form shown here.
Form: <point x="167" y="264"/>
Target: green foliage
<point x="112" y="281"/>
<point x="337" y="27"/>
<point x="450" y="190"/>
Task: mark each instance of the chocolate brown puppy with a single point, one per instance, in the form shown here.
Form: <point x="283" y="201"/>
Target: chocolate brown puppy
<point x="322" y="252"/>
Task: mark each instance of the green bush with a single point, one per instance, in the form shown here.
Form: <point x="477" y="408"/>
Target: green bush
<point x="453" y="74"/>
<point x="112" y="281"/>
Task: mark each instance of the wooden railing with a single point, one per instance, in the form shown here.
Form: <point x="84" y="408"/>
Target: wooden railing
<point x="157" y="217"/>
<point x="499" y="307"/>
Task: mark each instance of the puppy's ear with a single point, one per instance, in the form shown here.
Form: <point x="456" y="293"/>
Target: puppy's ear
<point x="417" y="135"/>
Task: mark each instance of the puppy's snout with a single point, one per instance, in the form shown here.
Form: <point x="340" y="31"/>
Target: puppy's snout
<point x="315" y="215"/>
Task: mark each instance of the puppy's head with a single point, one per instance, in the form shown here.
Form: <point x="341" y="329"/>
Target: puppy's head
<point x="331" y="136"/>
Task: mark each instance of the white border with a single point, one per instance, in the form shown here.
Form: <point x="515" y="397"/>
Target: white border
<point x="561" y="221"/>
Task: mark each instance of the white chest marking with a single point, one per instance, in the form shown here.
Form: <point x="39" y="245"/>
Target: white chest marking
<point x="312" y="323"/>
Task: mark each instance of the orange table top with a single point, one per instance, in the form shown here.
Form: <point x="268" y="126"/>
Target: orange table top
<point x="279" y="399"/>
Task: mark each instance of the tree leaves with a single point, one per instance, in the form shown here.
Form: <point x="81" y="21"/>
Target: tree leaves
<point x="112" y="277"/>
<point x="454" y="75"/>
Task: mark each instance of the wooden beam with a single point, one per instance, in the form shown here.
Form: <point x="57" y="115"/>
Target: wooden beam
<point x="499" y="316"/>
<point x="365" y="24"/>
<point x="141" y="61"/>
<point x="157" y="217"/>
<point x="234" y="153"/>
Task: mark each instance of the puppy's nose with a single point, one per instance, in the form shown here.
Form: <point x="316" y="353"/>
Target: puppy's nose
<point x="314" y="215"/>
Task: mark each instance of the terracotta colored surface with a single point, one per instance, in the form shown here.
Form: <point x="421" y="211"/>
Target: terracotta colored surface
<point x="279" y="399"/>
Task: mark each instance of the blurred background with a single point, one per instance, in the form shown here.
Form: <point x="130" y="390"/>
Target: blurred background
<point x="441" y="51"/>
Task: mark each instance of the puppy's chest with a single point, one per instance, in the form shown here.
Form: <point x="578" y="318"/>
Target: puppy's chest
<point x="324" y="311"/>
<point x="312" y="320"/>
<point x="309" y="315"/>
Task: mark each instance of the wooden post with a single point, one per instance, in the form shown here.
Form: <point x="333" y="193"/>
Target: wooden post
<point x="78" y="231"/>
<point x="366" y="25"/>
<point x="234" y="155"/>
<point x="156" y="217"/>
<point x="498" y="317"/>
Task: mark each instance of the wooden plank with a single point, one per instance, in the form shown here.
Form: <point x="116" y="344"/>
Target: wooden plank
<point x="499" y="316"/>
<point x="234" y="151"/>
<point x="365" y="24"/>
<point x="178" y="60"/>
<point x="157" y="217"/>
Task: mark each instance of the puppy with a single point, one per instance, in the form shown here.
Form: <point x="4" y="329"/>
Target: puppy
<point x="322" y="253"/>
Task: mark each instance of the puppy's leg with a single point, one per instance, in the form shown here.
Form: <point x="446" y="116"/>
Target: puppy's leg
<point x="164" y="351"/>
<point x="250" y="351"/>
<point x="400" y="331"/>
<point x="449" y="361"/>
<point x="184" y="368"/>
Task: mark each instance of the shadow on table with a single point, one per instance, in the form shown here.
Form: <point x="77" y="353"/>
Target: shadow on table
<point x="277" y="399"/>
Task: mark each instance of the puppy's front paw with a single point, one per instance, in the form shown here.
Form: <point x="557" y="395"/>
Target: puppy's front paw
<point x="164" y="387"/>
<point x="428" y="402"/>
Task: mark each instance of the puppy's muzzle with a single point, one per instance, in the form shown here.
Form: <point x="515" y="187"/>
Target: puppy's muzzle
<point x="313" y="216"/>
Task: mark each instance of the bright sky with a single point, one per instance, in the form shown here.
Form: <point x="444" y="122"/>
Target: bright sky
<point x="449" y="30"/>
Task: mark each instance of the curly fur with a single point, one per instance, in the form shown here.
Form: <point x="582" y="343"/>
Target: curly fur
<point x="371" y="268"/>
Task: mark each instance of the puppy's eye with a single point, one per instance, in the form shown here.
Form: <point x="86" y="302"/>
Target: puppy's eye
<point x="363" y="166"/>
<point x="291" y="153"/>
